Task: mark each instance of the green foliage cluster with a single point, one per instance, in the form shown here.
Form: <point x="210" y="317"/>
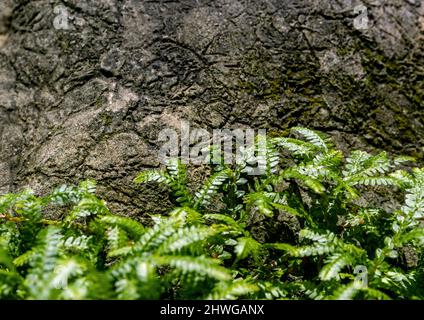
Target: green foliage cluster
<point x="206" y="248"/>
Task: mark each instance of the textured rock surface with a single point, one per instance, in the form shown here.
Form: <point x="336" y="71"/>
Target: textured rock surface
<point x="86" y="85"/>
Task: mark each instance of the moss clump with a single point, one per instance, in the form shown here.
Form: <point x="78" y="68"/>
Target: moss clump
<point x="106" y="119"/>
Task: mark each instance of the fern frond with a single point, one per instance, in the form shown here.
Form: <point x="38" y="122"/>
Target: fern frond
<point x="66" y="270"/>
<point x="119" y="252"/>
<point x="295" y="146"/>
<point x="6" y="260"/>
<point x="334" y="264"/>
<point x="322" y="244"/>
<point x="176" y="169"/>
<point x="158" y="176"/>
<point x="331" y="159"/>
<point x="25" y="258"/>
<point x="414" y="199"/>
<point x="177" y="173"/>
<point x="310" y="182"/>
<point x="210" y="188"/>
<point x="64" y="195"/>
<point x="187" y="215"/>
<point x="42" y="265"/>
<point x="375" y="294"/>
<point x="288" y="209"/>
<point x="402" y="159"/>
<point x="317" y="237"/>
<point x="261" y="202"/>
<point x="267" y="157"/>
<point x="415" y="236"/>
<point x="202" y="266"/>
<point x="184" y="238"/>
<point x="316" y="249"/>
<point x="116" y="238"/>
<point x="76" y="243"/>
<point x="224" y="219"/>
<point x="403" y="178"/>
<point x="127" y="289"/>
<point x="88" y="206"/>
<point x="247" y="246"/>
<point x="48" y="250"/>
<point x="150" y="240"/>
<point x="374" y="181"/>
<point x="361" y="164"/>
<point x="397" y="279"/>
<point x="88" y="186"/>
<point x="347" y="292"/>
<point x="156" y="236"/>
<point x="272" y="290"/>
<point x="29" y="207"/>
<point x="318" y="139"/>
<point x="418" y="176"/>
<point x="232" y="291"/>
<point x="132" y="227"/>
<point x="317" y="172"/>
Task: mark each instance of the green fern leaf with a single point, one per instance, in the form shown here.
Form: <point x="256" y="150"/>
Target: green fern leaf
<point x="25" y="258"/>
<point x="210" y="188"/>
<point x="184" y="238"/>
<point x="261" y="202"/>
<point x="310" y="182"/>
<point x="187" y="215"/>
<point x="232" y="291"/>
<point x="334" y="264"/>
<point x="65" y="271"/>
<point x="116" y="238"/>
<point x="158" y="176"/>
<point x="247" y="246"/>
<point x="156" y="236"/>
<point x="224" y="219"/>
<point x="346" y="292"/>
<point x="297" y="147"/>
<point x="402" y="159"/>
<point x="319" y="140"/>
<point x="201" y="266"/>
<point x="373" y="181"/>
<point x="132" y="227"/>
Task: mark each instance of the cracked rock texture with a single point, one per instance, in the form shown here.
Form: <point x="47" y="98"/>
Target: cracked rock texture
<point x="86" y="85"/>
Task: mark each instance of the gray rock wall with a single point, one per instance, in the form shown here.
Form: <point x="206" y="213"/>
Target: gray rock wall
<point x="85" y="85"/>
